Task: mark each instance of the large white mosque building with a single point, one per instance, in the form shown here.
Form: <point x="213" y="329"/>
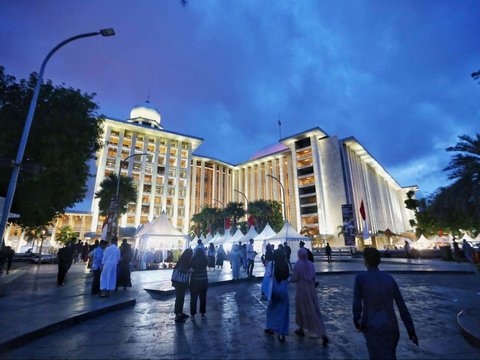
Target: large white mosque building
<point x="325" y="180"/>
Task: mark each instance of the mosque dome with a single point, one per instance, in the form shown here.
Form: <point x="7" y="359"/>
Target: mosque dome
<point x="269" y="150"/>
<point x="145" y="113"/>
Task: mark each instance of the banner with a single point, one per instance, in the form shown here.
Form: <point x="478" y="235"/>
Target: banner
<point x="348" y="225"/>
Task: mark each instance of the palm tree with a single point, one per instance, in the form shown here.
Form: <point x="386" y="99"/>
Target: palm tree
<point x="235" y="211"/>
<point x="266" y="211"/>
<point x="108" y="188"/>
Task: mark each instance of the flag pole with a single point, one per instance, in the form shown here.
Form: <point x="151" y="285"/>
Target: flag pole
<point x="279" y="128"/>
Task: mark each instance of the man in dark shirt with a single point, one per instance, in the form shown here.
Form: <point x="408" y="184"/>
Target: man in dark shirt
<point x="373" y="313"/>
<point x="309" y="253"/>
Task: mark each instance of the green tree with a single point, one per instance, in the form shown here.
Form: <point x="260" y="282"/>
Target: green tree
<point x="108" y="188"/>
<point x="266" y="211"/>
<point x="235" y="211"/>
<point x="209" y="218"/>
<point x="64" y="136"/>
<point x="65" y="235"/>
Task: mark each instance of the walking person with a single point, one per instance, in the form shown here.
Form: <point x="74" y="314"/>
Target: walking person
<point x="309" y="253"/>
<point x="124" y="265"/>
<point x="235" y="260"/>
<point x="373" y="313"/>
<point x="277" y="310"/>
<point x="97" y="256"/>
<point x="308" y="315"/>
<point x="65" y="258"/>
<point x="198" y="283"/>
<point x="251" y="253"/>
<point x="211" y="256"/>
<point x="220" y="256"/>
<point x="180" y="284"/>
<point x="108" y="277"/>
<point x="288" y="253"/>
<point x="10" y="253"/>
<point x="328" y="252"/>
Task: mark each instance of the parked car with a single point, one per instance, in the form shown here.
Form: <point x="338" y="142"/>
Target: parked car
<point x="46" y="259"/>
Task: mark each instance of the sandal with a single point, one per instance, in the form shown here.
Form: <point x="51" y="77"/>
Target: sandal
<point x="299" y="332"/>
<point x="281" y="338"/>
<point x="269" y="331"/>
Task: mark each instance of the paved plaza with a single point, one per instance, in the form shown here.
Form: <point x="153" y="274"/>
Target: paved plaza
<point x="435" y="292"/>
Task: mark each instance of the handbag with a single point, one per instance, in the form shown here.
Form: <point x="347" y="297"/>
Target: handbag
<point x="267" y="283"/>
<point x="180" y="276"/>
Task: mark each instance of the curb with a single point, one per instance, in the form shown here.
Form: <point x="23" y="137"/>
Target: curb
<point x="49" y="329"/>
<point x="159" y="294"/>
<point x="469" y="322"/>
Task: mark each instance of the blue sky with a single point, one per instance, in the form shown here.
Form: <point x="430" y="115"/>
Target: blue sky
<point x="394" y="74"/>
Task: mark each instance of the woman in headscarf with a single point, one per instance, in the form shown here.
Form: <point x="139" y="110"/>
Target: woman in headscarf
<point x="183" y="265"/>
<point x="220" y="256"/>
<point x="235" y="259"/>
<point x="307" y="309"/>
<point x="198" y="282"/>
<point x="211" y="256"/>
<point x="277" y="311"/>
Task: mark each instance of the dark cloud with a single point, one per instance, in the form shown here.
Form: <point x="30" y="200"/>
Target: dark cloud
<point x="396" y="75"/>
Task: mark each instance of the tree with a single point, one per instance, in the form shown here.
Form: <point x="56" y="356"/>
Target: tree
<point x="64" y="136"/>
<point x="266" y="211"/>
<point x="210" y="219"/>
<point x="108" y="189"/>
<point x="235" y="211"/>
<point x="65" y="235"/>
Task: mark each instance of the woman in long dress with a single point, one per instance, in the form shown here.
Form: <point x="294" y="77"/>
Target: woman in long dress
<point x="277" y="311"/>
<point x="307" y="309"/>
<point x="235" y="259"/>
<point x="220" y="256"/>
<point x="211" y="256"/>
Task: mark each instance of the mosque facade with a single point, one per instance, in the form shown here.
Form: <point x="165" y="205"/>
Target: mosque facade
<point x="322" y="179"/>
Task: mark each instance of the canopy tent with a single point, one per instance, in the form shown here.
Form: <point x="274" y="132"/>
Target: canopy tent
<point x="292" y="237"/>
<point x="251" y="234"/>
<point x="423" y="243"/>
<point x="227" y="244"/>
<point x="441" y="241"/>
<point x="217" y="239"/>
<point x="208" y="239"/>
<point x="467" y="238"/>
<point x="202" y="237"/>
<point x="160" y="234"/>
<point x="194" y="242"/>
<point x="261" y="239"/>
<point x="477" y="239"/>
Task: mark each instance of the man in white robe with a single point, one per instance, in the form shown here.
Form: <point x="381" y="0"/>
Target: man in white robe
<point x="108" y="278"/>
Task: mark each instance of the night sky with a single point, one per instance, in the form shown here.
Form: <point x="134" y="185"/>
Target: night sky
<point x="393" y="74"/>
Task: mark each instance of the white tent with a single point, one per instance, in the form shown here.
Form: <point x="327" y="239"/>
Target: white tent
<point x="217" y="239"/>
<point x="477" y="239"/>
<point x="423" y="243"/>
<point x="467" y="238"/>
<point x="261" y="239"/>
<point x="292" y="237"/>
<point x="251" y="234"/>
<point x="194" y="242"/>
<point x="208" y="239"/>
<point x="227" y="244"/>
<point x="160" y="234"/>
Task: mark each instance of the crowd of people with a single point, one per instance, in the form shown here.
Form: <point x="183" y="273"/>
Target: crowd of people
<point x="111" y="265"/>
<point x="375" y="292"/>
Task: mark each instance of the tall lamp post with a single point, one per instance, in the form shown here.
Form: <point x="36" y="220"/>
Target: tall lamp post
<point x="246" y="199"/>
<point x="115" y="203"/>
<point x="283" y="196"/>
<point x="28" y="123"/>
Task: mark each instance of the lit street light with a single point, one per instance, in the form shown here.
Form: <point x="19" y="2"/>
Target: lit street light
<point x="28" y="122"/>
<point x="283" y="195"/>
<point x="246" y="199"/>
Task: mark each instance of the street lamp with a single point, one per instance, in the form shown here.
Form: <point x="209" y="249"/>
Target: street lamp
<point x="221" y="203"/>
<point x="283" y="195"/>
<point x="28" y="123"/>
<point x="115" y="202"/>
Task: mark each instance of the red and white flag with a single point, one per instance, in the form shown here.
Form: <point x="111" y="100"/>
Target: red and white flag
<point x="362" y="211"/>
<point x="251" y="221"/>
<point x="227" y="223"/>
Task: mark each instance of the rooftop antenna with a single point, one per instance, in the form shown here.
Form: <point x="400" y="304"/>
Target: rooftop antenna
<point x="148" y="96"/>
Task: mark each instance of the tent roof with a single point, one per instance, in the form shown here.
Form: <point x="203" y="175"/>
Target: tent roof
<point x="289" y="233"/>
<point x="251" y="234"/>
<point x="161" y="226"/>
<point x="266" y="234"/>
<point x="235" y="238"/>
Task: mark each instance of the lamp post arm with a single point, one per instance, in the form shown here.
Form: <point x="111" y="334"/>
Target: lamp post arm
<point x="26" y="130"/>
<point x="283" y="195"/>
